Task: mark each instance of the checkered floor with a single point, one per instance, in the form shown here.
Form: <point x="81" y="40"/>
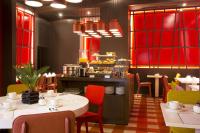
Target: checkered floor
<point x="146" y="117"/>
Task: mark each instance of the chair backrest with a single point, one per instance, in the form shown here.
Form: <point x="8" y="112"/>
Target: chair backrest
<point x="41" y="83"/>
<point x="137" y="78"/>
<point x="186" y="97"/>
<point x="95" y="94"/>
<point x="166" y="87"/>
<point x="54" y="122"/>
<point x="18" y="88"/>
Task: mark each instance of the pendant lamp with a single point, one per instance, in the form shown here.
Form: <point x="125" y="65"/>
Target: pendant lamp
<point x="33" y="3"/>
<point x="59" y="4"/>
<point x="78" y="27"/>
<point x="89" y="27"/>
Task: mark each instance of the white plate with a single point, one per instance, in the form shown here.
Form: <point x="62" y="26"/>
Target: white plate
<point x="15" y="98"/>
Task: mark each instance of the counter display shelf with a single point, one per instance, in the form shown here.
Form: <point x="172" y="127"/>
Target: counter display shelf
<point x="112" y="102"/>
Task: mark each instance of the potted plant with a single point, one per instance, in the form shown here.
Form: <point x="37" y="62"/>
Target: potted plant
<point x="29" y="76"/>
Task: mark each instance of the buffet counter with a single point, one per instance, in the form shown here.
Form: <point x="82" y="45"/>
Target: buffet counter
<point x="117" y="106"/>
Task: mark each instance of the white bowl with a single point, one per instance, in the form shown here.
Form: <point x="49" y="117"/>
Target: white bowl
<point x="196" y="109"/>
<point x="173" y="105"/>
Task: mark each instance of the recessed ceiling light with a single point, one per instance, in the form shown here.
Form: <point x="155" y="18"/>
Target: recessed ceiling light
<point x="60" y="15"/>
<point x="74" y="1"/>
<point x="58" y="5"/>
<point x="88" y="12"/>
<point x="33" y="3"/>
<point x="184" y="4"/>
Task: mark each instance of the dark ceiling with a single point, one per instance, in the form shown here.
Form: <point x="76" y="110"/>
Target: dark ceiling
<point x="75" y="11"/>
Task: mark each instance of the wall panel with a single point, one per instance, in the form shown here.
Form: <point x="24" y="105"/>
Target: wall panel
<point x="167" y="37"/>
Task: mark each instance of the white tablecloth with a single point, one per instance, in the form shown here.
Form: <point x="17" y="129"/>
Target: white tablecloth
<point x="77" y="104"/>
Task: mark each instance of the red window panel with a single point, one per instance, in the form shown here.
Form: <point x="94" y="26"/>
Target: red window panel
<point x="169" y="21"/>
<point x="176" y="56"/>
<point x="182" y="57"/>
<point x="156" y="38"/>
<point x="198" y="19"/>
<point x="25" y="59"/>
<point x="133" y="56"/>
<point x="149" y="18"/>
<point x="166" y="56"/>
<point x="142" y="56"/>
<point x="167" y="38"/>
<point x="150" y="39"/>
<point x="19" y="37"/>
<point x="178" y="19"/>
<point x="193" y="56"/>
<point x="159" y="20"/>
<point x="24" y="36"/>
<point x="139" y="21"/>
<point x="181" y="38"/>
<point x="140" y="39"/>
<point x="191" y="38"/>
<point x="20" y="16"/>
<point x="189" y="20"/>
<point x="27" y="21"/>
<point x="27" y="38"/>
<point x="18" y="53"/>
<point x="153" y="56"/>
<point x="176" y="38"/>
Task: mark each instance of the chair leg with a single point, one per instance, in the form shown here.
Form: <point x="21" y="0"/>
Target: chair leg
<point x="86" y="126"/>
<point x="138" y="90"/>
<point x="100" y="125"/>
<point x="79" y="127"/>
<point x="150" y="90"/>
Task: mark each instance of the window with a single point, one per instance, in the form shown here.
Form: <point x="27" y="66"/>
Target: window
<point x="167" y="38"/>
<point x="24" y="36"/>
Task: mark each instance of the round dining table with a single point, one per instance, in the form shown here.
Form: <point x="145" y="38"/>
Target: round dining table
<point x="67" y="102"/>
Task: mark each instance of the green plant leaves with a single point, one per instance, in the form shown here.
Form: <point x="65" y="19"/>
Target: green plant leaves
<point x="28" y="75"/>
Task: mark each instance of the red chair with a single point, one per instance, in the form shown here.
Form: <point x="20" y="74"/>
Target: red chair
<point x="95" y="94"/>
<point x="54" y="122"/>
<point x="166" y="87"/>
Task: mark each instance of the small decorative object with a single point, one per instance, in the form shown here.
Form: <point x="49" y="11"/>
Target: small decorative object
<point x="27" y="75"/>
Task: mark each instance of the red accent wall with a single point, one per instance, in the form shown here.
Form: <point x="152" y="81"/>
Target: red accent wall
<point x="93" y="46"/>
<point x="166" y="38"/>
<point x="1" y="43"/>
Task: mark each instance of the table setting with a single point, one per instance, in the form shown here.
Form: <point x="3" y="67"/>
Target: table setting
<point x="177" y="114"/>
<point x="11" y="106"/>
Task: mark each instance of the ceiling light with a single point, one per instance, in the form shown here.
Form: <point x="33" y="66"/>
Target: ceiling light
<point x="88" y="12"/>
<point x="184" y="4"/>
<point x="33" y="3"/>
<point x="74" y="1"/>
<point x="60" y="15"/>
<point x="59" y="4"/>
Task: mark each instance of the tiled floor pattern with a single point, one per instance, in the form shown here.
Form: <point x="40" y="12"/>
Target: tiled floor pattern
<point x="145" y="117"/>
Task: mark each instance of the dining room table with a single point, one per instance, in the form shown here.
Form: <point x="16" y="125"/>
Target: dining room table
<point x="156" y="77"/>
<point x="183" y="117"/>
<point x="194" y="87"/>
<point x="66" y="102"/>
<point x="188" y="81"/>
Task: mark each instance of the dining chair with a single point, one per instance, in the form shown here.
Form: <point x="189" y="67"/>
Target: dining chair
<point x="185" y="97"/>
<point x="41" y="84"/>
<point x="53" y="83"/>
<point x="95" y="95"/>
<point x="142" y="84"/>
<point x="18" y="88"/>
<point x="54" y="122"/>
<point x="166" y="87"/>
